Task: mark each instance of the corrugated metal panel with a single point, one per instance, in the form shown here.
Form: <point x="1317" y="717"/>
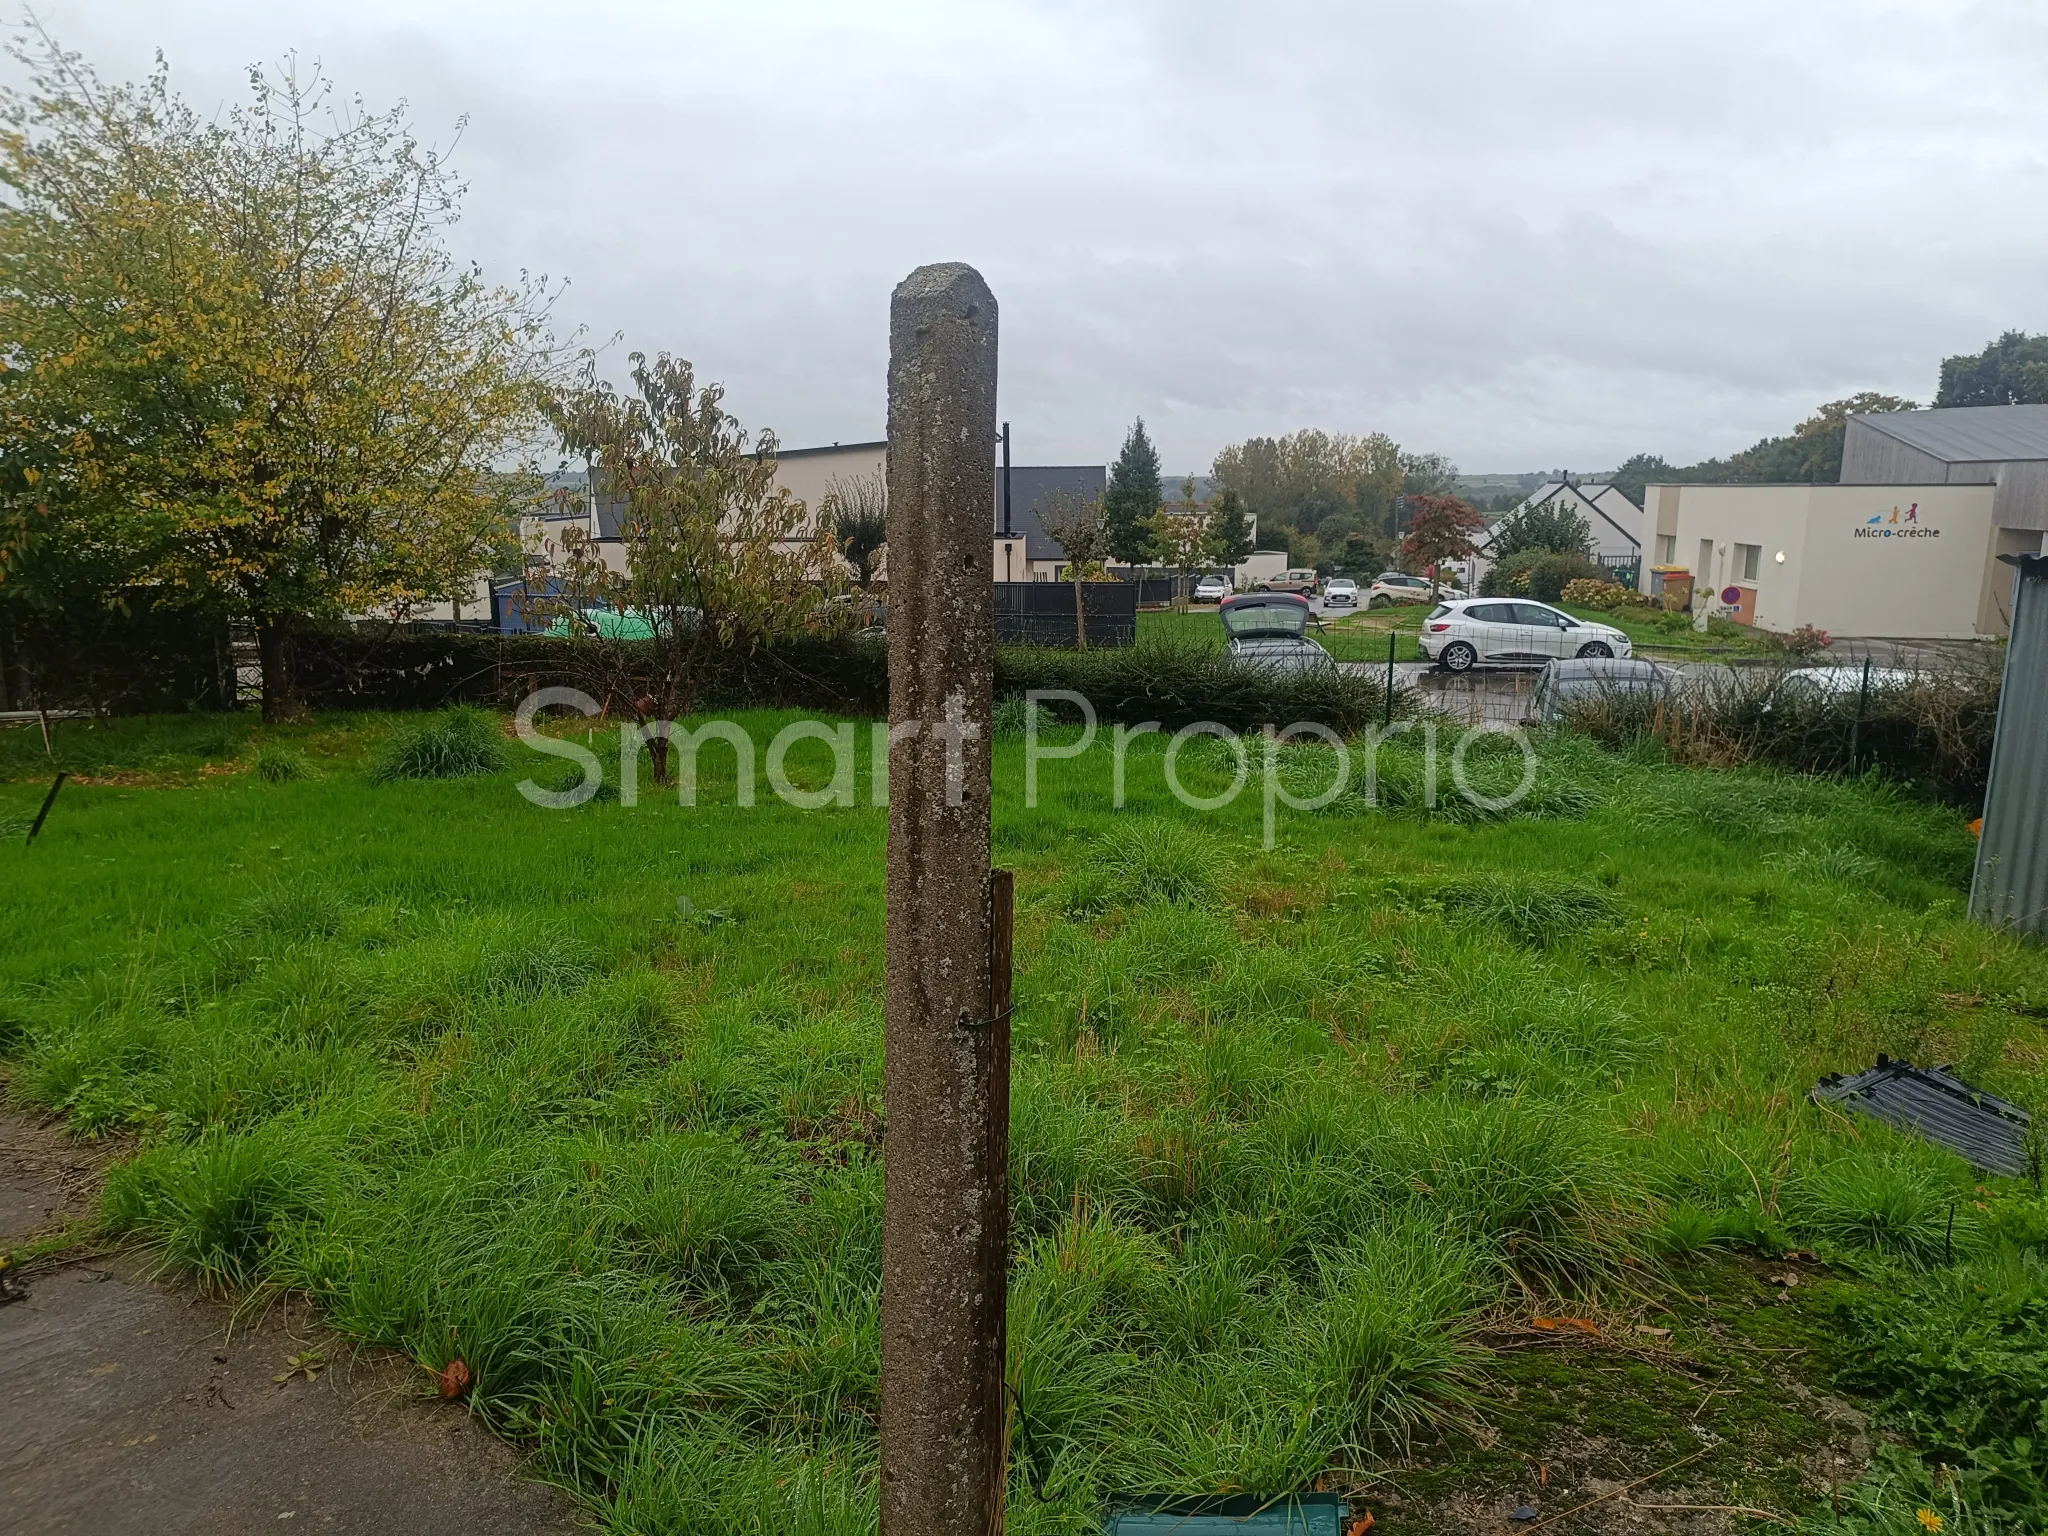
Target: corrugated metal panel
<point x="1297" y="1514"/>
<point x="1933" y="1102"/>
<point x="2010" y="889"/>
<point x="1966" y="434"/>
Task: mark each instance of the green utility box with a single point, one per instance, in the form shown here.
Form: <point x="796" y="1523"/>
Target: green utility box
<point x="1293" y="1514"/>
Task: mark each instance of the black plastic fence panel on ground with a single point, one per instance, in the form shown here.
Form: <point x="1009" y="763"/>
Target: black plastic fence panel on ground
<point x="1043" y="612"/>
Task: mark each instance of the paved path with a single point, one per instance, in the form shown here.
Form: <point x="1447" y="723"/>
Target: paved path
<point x="127" y="1406"/>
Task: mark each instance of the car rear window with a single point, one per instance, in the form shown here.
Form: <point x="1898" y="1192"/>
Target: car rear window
<point x="1439" y="610"/>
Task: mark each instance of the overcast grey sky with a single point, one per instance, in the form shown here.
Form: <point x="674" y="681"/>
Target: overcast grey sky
<point x="1527" y="235"/>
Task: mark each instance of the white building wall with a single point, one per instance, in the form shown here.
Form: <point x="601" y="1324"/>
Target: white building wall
<point x="1903" y="561"/>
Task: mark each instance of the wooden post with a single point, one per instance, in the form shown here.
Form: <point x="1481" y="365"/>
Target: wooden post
<point x="945" y="1080"/>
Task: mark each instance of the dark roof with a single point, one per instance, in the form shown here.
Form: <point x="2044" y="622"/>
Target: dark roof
<point x="1969" y="434"/>
<point x="798" y="453"/>
<point x="1031" y="487"/>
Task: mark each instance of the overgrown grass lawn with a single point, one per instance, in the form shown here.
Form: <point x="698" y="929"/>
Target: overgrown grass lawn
<point x="1308" y="1144"/>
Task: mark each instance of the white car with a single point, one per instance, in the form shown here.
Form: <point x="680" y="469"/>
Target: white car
<point x="1212" y="589"/>
<point x="1392" y="587"/>
<point x="1459" y="635"/>
<point x="1340" y="592"/>
<point x="1842" y="681"/>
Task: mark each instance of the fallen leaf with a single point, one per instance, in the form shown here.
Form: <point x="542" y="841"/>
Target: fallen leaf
<point x="454" y="1379"/>
<point x="1583" y="1325"/>
<point x="1359" y="1526"/>
<point x="1655" y="1333"/>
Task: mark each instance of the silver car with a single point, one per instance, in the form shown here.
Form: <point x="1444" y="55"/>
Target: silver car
<point x="1564" y="684"/>
<point x="1270" y="629"/>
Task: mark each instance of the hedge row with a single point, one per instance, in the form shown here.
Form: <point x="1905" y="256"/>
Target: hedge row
<point x="166" y="669"/>
<point x="1172" y="684"/>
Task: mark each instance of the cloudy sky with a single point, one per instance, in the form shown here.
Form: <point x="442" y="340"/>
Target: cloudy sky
<point x="1527" y="235"/>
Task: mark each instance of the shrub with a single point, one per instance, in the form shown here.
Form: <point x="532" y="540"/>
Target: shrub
<point x="1597" y="592"/>
<point x="1510" y="576"/>
<point x="460" y="744"/>
<point x="1179" y="684"/>
<point x="1805" y="641"/>
<point x="1549" y="576"/>
<point x="1934" y="727"/>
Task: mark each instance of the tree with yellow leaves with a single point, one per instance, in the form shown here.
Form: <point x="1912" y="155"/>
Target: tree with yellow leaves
<point x="238" y="361"/>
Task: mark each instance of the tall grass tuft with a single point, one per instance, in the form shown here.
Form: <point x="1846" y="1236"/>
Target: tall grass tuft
<point x="1539" y="914"/>
<point x="279" y="764"/>
<point x="459" y="744"/>
<point x="1148" y="861"/>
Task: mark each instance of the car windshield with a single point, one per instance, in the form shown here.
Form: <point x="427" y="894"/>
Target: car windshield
<point x="1265" y="613"/>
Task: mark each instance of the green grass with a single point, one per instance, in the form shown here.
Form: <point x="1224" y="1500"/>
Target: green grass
<point x="592" y="1101"/>
<point x="1352" y="637"/>
<point x="1650" y="635"/>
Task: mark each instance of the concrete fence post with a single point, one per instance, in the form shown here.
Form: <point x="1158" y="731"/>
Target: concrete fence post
<point x="945" y="1077"/>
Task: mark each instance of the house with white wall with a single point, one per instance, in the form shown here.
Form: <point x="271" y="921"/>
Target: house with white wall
<point x="1907" y="545"/>
<point x="1616" y="522"/>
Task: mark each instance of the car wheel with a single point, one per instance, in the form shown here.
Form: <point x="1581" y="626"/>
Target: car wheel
<point x="1457" y="657"/>
<point x="1598" y="648"/>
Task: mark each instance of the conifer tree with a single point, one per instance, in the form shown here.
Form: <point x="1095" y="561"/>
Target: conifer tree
<point x="1131" y="499"/>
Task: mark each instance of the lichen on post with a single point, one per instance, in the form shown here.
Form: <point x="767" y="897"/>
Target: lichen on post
<point x="946" y="1179"/>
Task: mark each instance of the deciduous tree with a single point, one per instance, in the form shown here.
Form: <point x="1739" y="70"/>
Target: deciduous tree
<point x="1555" y="526"/>
<point x="1230" y="531"/>
<point x="1443" y="529"/>
<point x="1180" y="532"/>
<point x="1078" y="526"/>
<point x="240" y="360"/>
<point x="717" y="555"/>
<point x="2012" y="370"/>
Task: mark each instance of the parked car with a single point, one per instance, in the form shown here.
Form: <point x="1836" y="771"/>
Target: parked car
<point x="1563" y="684"/>
<point x="1461" y="634"/>
<point x="1815" y="683"/>
<point x="1302" y="582"/>
<point x="1340" y="592"/>
<point x="1391" y="587"/>
<point x="1270" y="629"/>
<point x="1212" y="589"/>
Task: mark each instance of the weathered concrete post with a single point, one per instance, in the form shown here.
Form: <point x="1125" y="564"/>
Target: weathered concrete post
<point x="946" y="1186"/>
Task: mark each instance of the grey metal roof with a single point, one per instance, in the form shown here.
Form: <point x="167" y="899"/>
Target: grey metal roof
<point x="1969" y="434"/>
